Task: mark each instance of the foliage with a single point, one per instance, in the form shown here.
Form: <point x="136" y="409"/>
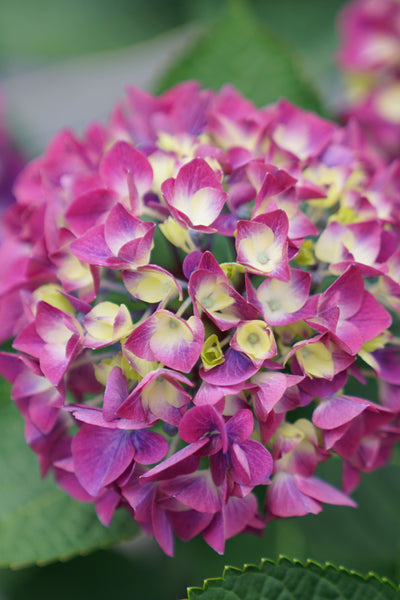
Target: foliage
<point x="237" y="49"/>
<point x="38" y="522"/>
<point x="291" y="579"/>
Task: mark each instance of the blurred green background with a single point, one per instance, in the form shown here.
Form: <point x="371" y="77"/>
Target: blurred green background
<point x="65" y="63"/>
<point x="46" y="42"/>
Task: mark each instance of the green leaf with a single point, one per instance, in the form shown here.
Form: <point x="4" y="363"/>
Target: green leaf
<point x="292" y="580"/>
<point x="38" y="522"/>
<point x="236" y="49"/>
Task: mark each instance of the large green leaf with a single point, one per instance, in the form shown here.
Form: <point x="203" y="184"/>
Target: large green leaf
<point x="289" y="580"/>
<point x="38" y="522"/>
<point x="236" y="49"/>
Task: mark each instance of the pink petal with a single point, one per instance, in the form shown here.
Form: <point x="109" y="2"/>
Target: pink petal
<point x="322" y="491"/>
<point x="115" y="393"/>
<point x="337" y="411"/>
<point x="121" y="161"/>
<point x="284" y="499"/>
<point x="90" y="209"/>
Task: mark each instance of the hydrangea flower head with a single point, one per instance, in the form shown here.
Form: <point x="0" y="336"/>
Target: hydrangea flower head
<point x="181" y="281"/>
<point x="369" y="56"/>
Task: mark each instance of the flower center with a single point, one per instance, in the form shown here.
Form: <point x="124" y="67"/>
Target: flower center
<point x="253" y="338"/>
<point x="263" y="258"/>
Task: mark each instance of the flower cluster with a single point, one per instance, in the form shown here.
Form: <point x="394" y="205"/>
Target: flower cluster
<point x="370" y="58"/>
<point x="194" y="292"/>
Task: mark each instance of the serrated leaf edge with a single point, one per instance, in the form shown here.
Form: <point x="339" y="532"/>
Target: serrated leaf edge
<point x="293" y="562"/>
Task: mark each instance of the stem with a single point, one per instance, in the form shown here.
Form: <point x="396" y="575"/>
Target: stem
<point x="225" y="341"/>
<point x="113" y="286"/>
<point x="174" y="443"/>
<point x="184" y="306"/>
<point x="91" y="358"/>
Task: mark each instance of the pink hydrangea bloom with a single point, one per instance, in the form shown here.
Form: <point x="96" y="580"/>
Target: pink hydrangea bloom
<point x="369" y="56"/>
<point x="180" y="280"/>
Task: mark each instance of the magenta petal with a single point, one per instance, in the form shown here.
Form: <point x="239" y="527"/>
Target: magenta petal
<point x="139" y="340"/>
<point x="90" y="209"/>
<point x="69" y="483"/>
<point x="54" y="363"/>
<point x="91" y="247"/>
<point x="93" y="415"/>
<point x="121" y="161"/>
<point x="238" y="514"/>
<point x="218" y="467"/>
<point x="202" y="421"/>
<point x="106" y="506"/>
<point x="43" y="415"/>
<point x="195" y="490"/>
<point x="100" y="456"/>
<point x="183" y="354"/>
<point x="240" y="426"/>
<point x="236" y="368"/>
<point x="169" y="339"/>
<point x="322" y="491"/>
<point x="337" y="411"/>
<point x="214" y="535"/>
<point x="122" y="228"/>
<point x="284" y="499"/>
<point x="372" y="318"/>
<point x="189" y="523"/>
<point x="115" y="393"/>
<point x="162" y="529"/>
<point x="182" y="462"/>
<point x="252" y="463"/>
<point x="270" y="389"/>
<point x="150" y="447"/>
<point x="211" y="394"/>
<point x="10" y="366"/>
<point x="196" y="196"/>
<point x="29" y="341"/>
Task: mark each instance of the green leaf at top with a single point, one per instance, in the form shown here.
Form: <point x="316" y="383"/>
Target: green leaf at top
<point x="38" y="522"/>
<point x="236" y="49"/>
<point x="292" y="580"/>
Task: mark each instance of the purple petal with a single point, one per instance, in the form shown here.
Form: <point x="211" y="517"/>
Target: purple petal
<point x="195" y="490"/>
<point x="150" y="447"/>
<point x="179" y="463"/>
<point x="100" y="456"/>
<point x="106" y="506"/>
<point x="204" y="421"/>
<point x="189" y="523"/>
<point x="252" y="463"/>
<point x="240" y="426"/>
<point x="236" y="368"/>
